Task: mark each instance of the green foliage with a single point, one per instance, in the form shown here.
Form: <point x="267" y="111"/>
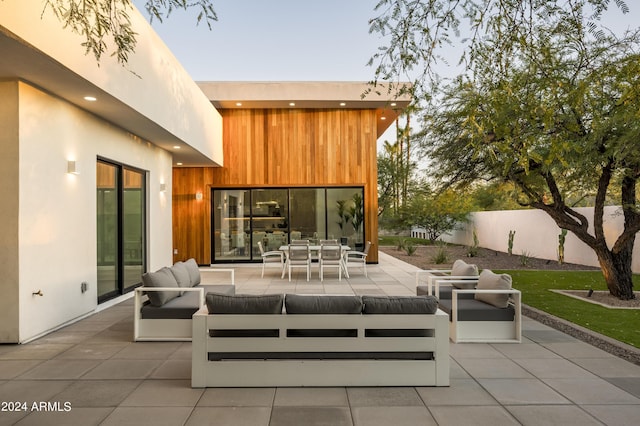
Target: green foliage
<point x="392" y="240"/>
<point x="438" y="213"/>
<point x="106" y="22"/>
<point x="525" y="257"/>
<point x="400" y="244"/>
<point x="536" y="285"/>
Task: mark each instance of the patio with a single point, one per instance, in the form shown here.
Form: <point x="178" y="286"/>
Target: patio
<point x="92" y="373"/>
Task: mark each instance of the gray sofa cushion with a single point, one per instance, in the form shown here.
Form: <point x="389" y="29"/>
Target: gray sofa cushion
<point x="474" y="310"/>
<point x="181" y="274"/>
<point x="399" y="304"/>
<point x="160" y="278"/>
<point x="491" y="281"/>
<point x="194" y="272"/>
<point x="182" y="307"/>
<point x="445" y="292"/>
<point x="322" y="304"/>
<point x="244" y="304"/>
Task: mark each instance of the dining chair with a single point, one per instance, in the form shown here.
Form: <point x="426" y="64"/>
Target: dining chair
<point x="298" y="256"/>
<point x="273" y="256"/>
<point x="358" y="257"/>
<point x="330" y="256"/>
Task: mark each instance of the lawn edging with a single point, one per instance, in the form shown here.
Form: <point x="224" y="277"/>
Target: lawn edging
<point x="612" y="346"/>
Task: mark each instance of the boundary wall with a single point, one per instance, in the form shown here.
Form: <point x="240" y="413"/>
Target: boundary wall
<point x="537" y="234"/>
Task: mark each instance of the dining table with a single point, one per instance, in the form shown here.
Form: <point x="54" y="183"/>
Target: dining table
<point x="316" y="248"/>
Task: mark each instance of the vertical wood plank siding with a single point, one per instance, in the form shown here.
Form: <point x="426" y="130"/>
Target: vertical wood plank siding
<point x="284" y="148"/>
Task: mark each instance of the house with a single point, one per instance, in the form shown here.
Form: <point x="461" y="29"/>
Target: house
<point x="110" y="171"/>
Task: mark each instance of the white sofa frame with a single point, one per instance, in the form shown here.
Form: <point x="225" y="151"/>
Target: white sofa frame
<point x="171" y="329"/>
<point x="442" y="275"/>
<point x="319" y="372"/>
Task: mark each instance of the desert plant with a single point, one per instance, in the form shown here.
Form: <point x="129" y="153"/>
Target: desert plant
<point x="561" y="239"/>
<point x="400" y="244"/>
<point x="472" y="251"/>
<point x="512" y="235"/>
<point x="441" y="256"/>
<point x="410" y="248"/>
<point x="525" y="257"/>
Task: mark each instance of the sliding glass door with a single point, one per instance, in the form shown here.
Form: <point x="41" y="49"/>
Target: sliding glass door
<point x="242" y="218"/>
<point x="121" y="225"/>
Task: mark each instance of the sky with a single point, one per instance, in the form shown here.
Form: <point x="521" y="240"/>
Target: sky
<point x="275" y="40"/>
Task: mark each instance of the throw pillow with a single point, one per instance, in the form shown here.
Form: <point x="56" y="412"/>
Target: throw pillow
<point x="461" y="268"/>
<point x="491" y="281"/>
<point x="160" y="278"/>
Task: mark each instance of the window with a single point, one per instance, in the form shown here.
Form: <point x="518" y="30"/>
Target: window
<point x="275" y="216"/>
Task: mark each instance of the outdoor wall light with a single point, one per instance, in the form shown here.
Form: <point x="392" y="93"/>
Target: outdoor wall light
<point x="199" y="196"/>
<point x="163" y="187"/>
<point x="72" y="167"/>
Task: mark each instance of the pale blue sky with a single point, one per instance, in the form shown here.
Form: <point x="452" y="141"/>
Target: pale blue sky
<point x="280" y="40"/>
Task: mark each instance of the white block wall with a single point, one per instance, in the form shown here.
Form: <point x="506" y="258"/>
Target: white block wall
<point x="537" y="234"/>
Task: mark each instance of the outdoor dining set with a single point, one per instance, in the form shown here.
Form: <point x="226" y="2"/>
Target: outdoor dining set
<point x="302" y="254"/>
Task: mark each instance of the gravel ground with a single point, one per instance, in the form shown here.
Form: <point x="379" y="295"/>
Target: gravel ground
<point x="424" y="255"/>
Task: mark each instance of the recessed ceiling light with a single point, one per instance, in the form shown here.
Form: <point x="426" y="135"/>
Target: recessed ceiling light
<point x="238" y="103"/>
<point x="342" y="104"/>
<point x="383" y="118"/>
<point x="176" y="147"/>
<point x="393" y="104"/>
<point x="292" y="104"/>
<point x="178" y="164"/>
<point x="90" y="98"/>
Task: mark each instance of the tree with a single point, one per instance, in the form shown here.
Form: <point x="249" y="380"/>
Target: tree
<point x="437" y="213"/>
<point x="106" y="22"/>
<point x="550" y="103"/>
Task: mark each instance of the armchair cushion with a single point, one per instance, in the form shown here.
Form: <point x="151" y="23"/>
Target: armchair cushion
<point x="399" y="304"/>
<point x="461" y="268"/>
<point x="181" y="274"/>
<point x="161" y="278"/>
<point x="491" y="281"/>
<point x="194" y="272"/>
<point x="244" y="304"/>
<point x="297" y="304"/>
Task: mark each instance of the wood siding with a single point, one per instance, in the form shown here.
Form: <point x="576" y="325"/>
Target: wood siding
<point x="285" y="148"/>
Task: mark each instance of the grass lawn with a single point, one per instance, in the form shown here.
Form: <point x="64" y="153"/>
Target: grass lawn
<point x="619" y="324"/>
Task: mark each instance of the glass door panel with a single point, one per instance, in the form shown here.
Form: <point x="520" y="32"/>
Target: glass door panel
<point x="345" y="215"/>
<point x="107" y="226"/>
<point x="307" y="214"/>
<point x="133" y="226"/>
<point x="232" y="225"/>
<point x="269" y="222"/>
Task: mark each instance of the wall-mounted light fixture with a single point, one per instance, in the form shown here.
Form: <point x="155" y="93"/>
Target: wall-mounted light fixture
<point x="72" y="167"/>
<point x="199" y="196"/>
<point x="163" y="187"/>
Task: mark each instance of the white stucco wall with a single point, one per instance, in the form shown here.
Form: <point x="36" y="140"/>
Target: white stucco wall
<point x="57" y="210"/>
<point x="537" y="234"/>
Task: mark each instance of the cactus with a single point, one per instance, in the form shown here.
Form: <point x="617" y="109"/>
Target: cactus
<point x="561" y="239"/>
<point x="512" y="235"/>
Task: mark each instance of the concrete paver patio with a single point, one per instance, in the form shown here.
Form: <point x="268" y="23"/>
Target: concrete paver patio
<point x="91" y="373"/>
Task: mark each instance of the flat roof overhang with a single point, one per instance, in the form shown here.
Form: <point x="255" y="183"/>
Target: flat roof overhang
<point x="23" y="62"/>
<point x="388" y="103"/>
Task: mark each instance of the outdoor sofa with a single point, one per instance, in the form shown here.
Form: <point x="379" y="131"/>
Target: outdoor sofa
<point x="319" y="340"/>
<point x="482" y="307"/>
<point x="169" y="297"/>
